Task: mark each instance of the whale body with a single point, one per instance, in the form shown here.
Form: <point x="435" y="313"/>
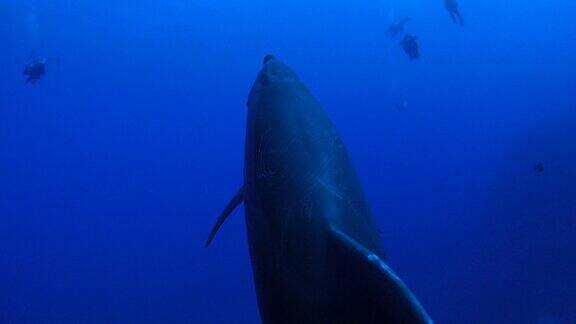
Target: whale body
<point x="315" y="251"/>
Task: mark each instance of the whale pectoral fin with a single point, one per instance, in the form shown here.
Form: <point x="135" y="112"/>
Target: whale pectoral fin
<point x="232" y="204"/>
<point x="375" y="286"/>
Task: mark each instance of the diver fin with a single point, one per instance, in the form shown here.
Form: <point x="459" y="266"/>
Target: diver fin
<point x="373" y="281"/>
<point x="232" y="204"/>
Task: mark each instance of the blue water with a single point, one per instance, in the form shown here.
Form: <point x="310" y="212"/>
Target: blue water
<point x="114" y="166"/>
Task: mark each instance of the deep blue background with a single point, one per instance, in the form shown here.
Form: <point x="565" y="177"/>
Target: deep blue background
<point x="115" y="165"/>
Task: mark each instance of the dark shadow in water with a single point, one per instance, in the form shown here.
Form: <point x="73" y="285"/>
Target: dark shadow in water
<point x="528" y="236"/>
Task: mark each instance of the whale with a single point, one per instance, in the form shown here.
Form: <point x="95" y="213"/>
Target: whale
<point x="315" y="251"/>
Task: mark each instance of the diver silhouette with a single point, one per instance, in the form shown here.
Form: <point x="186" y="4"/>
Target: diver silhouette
<point x="396" y="28"/>
<point x="410" y="46"/>
<point x="35" y="69"/>
<point x="454" y="11"/>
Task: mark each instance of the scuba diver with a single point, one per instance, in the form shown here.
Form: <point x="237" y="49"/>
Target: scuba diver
<point x="397" y="27"/>
<point x="35" y="70"/>
<point x="454" y="11"/>
<point x="539" y="167"/>
<point x="410" y="46"/>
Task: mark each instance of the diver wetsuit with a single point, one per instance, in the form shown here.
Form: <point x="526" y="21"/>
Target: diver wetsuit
<point x="35" y="70"/>
<point x="410" y="46"/>
<point x="454" y="11"/>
